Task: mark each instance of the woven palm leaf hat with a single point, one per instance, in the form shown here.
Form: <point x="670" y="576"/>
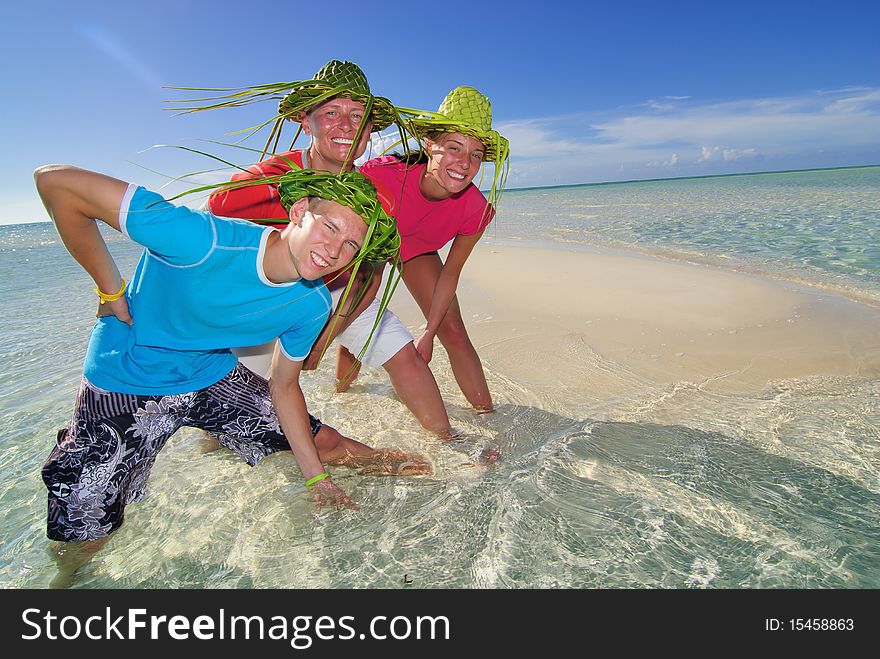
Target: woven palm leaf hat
<point x="337" y="79"/>
<point x="334" y="79"/>
<point x="382" y="240"/>
<point x="467" y="111"/>
<point x="351" y="189"/>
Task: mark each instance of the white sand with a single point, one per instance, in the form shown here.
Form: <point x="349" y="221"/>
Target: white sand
<point x="599" y="324"/>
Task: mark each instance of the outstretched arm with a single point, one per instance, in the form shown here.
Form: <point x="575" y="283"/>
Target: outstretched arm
<point x="444" y="291"/>
<point x="74" y="198"/>
<point x="290" y="406"/>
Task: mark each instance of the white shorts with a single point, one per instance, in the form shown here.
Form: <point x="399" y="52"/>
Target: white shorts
<point x="390" y="336"/>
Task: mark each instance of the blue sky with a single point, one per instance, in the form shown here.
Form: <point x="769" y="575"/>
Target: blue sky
<point x="585" y="91"/>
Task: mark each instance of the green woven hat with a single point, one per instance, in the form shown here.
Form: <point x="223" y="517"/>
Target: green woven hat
<point x="464" y="110"/>
<point x="382" y="240"/>
<point x="337" y="79"/>
<point x="351" y="189"/>
<point x="334" y="79"/>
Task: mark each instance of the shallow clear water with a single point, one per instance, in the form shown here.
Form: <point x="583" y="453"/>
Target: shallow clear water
<point x="818" y="226"/>
<point x="675" y="486"/>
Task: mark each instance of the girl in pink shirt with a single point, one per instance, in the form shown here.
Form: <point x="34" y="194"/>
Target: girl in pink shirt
<point x="435" y="202"/>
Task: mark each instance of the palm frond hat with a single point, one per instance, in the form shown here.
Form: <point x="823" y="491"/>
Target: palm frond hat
<point x="467" y="111"/>
<point x="336" y="78"/>
<point x="351" y="189"/>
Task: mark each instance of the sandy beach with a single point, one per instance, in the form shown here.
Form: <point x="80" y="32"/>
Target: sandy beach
<point x="599" y="324"/>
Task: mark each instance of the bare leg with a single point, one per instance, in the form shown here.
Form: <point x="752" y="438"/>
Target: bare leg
<point x="70" y="556"/>
<point x="347" y="369"/>
<point x="416" y="387"/>
<point x="420" y="276"/>
<point x="336" y="449"/>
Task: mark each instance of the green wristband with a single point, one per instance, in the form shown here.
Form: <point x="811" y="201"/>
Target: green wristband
<point x="315" y="479"/>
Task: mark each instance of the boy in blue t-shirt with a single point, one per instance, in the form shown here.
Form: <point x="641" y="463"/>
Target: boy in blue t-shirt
<point x="159" y="355"/>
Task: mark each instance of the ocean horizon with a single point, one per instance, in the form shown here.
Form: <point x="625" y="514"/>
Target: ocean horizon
<point x="600" y="183"/>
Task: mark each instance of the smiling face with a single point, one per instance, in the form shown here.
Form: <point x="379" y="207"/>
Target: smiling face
<point x="453" y="162"/>
<point x="332" y="126"/>
<point x="323" y="237"/>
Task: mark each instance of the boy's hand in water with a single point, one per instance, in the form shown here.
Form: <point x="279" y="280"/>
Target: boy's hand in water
<point x="386" y="462"/>
<point x="328" y="493"/>
<point x="391" y="462"/>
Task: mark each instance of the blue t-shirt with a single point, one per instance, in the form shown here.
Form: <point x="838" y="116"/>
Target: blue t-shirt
<point x="198" y="290"/>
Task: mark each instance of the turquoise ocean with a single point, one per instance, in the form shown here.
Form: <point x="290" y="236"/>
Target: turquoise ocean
<point x="778" y="488"/>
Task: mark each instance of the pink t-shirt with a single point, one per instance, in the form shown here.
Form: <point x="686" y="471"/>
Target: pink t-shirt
<point x="425" y="225"/>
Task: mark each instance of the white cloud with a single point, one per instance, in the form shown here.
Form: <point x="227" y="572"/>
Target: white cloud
<point x="828" y="128"/>
<point x="531" y="139"/>
<point x="722" y="153"/>
<point x="667" y="103"/>
<point x="858" y="103"/>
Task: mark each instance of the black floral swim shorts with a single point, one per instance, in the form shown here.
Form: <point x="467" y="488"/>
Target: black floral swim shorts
<point x="102" y="460"/>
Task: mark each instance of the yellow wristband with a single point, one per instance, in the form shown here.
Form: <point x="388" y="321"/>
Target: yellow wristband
<point x="112" y="297"/>
<point x="315" y="479"/>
